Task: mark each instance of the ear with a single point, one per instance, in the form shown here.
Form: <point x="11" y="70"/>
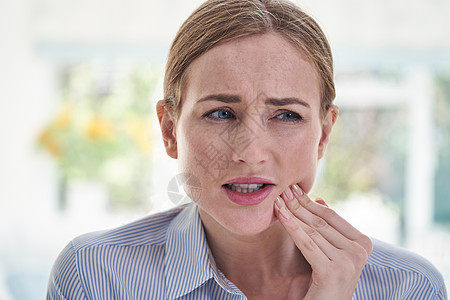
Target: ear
<point x="167" y="124"/>
<point x="327" y="125"/>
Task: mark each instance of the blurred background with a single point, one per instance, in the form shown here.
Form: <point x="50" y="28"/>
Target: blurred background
<point x="81" y="151"/>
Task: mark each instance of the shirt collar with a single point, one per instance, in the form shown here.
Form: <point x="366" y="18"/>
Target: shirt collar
<point x="189" y="262"/>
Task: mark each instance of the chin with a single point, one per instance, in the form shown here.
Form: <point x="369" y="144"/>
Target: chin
<point x="255" y="228"/>
<point x="241" y="220"/>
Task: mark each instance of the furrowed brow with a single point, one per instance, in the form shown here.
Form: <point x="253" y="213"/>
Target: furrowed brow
<point x="221" y="98"/>
<point x="286" y="101"/>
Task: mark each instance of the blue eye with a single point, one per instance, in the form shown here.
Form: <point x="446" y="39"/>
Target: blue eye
<point x="289" y="116"/>
<point x="222" y="114"/>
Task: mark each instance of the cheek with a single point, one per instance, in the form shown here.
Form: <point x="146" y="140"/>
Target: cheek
<point x="198" y="148"/>
<point x="188" y="146"/>
<point x="298" y="158"/>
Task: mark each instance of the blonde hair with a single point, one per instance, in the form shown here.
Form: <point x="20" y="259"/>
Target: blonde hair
<point x="218" y="21"/>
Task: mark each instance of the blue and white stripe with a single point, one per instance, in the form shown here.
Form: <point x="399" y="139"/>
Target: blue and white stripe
<point x="166" y="256"/>
<point x="394" y="273"/>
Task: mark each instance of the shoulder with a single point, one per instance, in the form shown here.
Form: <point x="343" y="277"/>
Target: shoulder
<point x="108" y="255"/>
<point x="150" y="230"/>
<point x="395" y="259"/>
<point x="396" y="272"/>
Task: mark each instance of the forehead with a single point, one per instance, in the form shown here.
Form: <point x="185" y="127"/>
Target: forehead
<point x="252" y="65"/>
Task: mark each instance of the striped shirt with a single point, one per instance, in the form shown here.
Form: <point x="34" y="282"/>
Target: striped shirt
<point x="166" y="256"/>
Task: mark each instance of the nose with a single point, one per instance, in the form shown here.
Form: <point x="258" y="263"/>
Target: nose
<point x="248" y="143"/>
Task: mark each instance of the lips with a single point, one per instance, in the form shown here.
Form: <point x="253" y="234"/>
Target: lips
<point x="249" y="180"/>
<point x="248" y="190"/>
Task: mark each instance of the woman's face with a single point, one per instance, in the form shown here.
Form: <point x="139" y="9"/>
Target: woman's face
<point x="249" y="127"/>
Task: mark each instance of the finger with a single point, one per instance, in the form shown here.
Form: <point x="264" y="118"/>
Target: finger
<point x="324" y="219"/>
<point x="330" y="266"/>
<point x="316" y="223"/>
<point x="316" y="249"/>
<point x="301" y="200"/>
<point x="334" y="245"/>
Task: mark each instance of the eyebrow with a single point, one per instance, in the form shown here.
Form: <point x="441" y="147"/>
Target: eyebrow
<point x="271" y="101"/>
<point x="221" y="98"/>
<point x="286" y="101"/>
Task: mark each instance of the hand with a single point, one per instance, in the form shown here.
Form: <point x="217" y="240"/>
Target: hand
<point x="336" y="251"/>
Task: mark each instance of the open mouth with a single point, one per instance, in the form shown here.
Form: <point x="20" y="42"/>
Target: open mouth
<point x="247" y="193"/>
<point x="248" y="190"/>
<point x="245" y="188"/>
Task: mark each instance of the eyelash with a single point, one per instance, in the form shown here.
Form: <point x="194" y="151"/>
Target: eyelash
<point x="209" y="114"/>
<point x="296" y="116"/>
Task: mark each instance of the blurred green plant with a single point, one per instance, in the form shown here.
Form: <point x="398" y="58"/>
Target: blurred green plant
<point x="366" y="154"/>
<point x="442" y="175"/>
<point x="102" y="130"/>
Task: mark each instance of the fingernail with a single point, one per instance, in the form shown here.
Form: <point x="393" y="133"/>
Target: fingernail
<point x="289" y="194"/>
<point x="284" y="213"/>
<point x="279" y="202"/>
<point x="297" y="190"/>
<point x="321" y="202"/>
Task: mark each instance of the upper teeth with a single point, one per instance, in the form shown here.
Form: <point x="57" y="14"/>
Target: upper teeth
<point x="245" y="188"/>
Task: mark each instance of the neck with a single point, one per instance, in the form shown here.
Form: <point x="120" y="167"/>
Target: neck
<point x="266" y="256"/>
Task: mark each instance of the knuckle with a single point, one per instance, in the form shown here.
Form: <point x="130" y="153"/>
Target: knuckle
<point x="361" y="257"/>
<point x="329" y="213"/>
<point x="292" y="226"/>
<point x="359" y="254"/>
<point x="295" y="206"/>
<point x="296" y="226"/>
<point x="318" y="223"/>
<point x="304" y="201"/>
<point x="367" y="243"/>
<point x="308" y="244"/>
<point x="310" y="231"/>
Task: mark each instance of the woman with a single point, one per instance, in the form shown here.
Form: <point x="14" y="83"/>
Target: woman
<point x="248" y="113"/>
